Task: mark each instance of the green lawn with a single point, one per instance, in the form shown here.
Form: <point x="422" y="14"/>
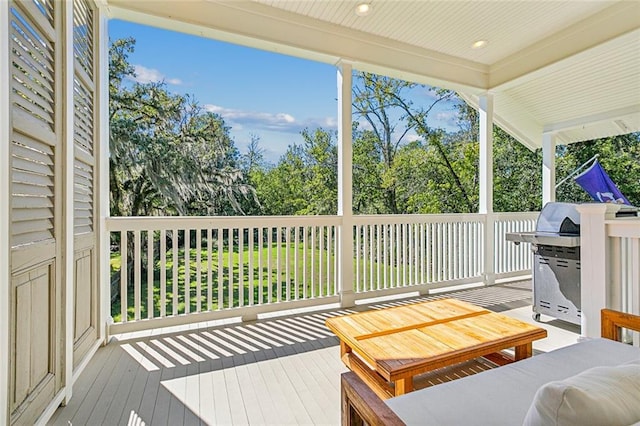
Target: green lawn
<point x="269" y="288"/>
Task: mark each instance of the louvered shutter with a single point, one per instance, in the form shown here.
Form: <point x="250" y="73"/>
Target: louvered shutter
<point x="34" y="134"/>
<point x="36" y="210"/>
<point x="84" y="136"/>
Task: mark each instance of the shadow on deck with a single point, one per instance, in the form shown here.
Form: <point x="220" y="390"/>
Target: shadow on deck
<point x="282" y="370"/>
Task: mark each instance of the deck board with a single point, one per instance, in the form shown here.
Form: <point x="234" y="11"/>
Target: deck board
<point x="272" y="371"/>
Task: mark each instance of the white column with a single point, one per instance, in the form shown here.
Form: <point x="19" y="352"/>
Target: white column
<point x="345" y="184"/>
<point x="5" y="210"/>
<point x="68" y="270"/>
<point x="548" y="168"/>
<point x="485" y="113"/>
<point x="595" y="289"/>
<point x="102" y="172"/>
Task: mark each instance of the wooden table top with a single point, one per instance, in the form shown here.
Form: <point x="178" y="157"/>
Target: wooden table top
<point x="395" y="341"/>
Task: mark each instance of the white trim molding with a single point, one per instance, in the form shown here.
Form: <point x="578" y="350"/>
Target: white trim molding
<point x="5" y="209"/>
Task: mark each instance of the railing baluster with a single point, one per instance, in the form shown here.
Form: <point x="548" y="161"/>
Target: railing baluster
<point x="174" y="264"/>
<point x="328" y="292"/>
<point x="137" y="275"/>
<point x="124" y="276"/>
<point x="359" y="287"/>
<point x="220" y="234"/>
<point x="313" y="261"/>
<point x="296" y="242"/>
<point x="230" y="269"/>
<point x="279" y="263"/>
<point x="260" y="248"/>
<point x="187" y="271"/>
<point x="304" y="261"/>
<point x="150" y="275"/>
<point x="250" y="244"/>
<point x="198" y="269"/>
<point x="241" y="267"/>
<point x="269" y="266"/>
<point x="335" y="260"/>
<point x="209" y="269"/>
<point x="287" y="264"/>
<point x="385" y="255"/>
<point x="163" y="273"/>
<point x="378" y="257"/>
<point x="371" y="256"/>
<point x="320" y="251"/>
<point x="411" y="251"/>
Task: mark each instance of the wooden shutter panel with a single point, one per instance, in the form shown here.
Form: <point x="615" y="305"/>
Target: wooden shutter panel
<point x="84" y="166"/>
<point x="35" y="298"/>
<point x="34" y="139"/>
<point x="84" y="131"/>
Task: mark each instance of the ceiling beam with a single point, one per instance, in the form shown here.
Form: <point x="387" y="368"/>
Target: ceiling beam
<point x="613" y="22"/>
<point x="592" y="119"/>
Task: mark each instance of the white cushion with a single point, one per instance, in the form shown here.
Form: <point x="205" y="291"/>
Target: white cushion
<point x="607" y="396"/>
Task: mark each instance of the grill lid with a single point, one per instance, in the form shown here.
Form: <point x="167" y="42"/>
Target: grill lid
<point x="559" y="218"/>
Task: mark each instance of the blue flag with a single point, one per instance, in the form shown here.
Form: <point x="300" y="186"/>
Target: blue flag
<point x="599" y="185"/>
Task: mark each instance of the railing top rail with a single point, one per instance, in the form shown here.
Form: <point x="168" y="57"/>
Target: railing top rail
<point x="205" y="222"/>
<point x="438" y="218"/>
<point x="131" y="223"/>
<point x="416" y="218"/>
<point x="516" y="215"/>
<point x="623" y="227"/>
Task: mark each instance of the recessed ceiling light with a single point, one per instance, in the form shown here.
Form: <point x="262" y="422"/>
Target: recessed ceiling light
<point x="363" y="9"/>
<point x="479" y="44"/>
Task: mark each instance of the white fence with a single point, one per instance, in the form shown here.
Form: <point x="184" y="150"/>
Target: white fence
<point x="188" y="269"/>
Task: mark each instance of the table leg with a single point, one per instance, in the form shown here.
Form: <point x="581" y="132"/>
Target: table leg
<point x="524" y="351"/>
<point x="403" y="386"/>
<point x="344" y="349"/>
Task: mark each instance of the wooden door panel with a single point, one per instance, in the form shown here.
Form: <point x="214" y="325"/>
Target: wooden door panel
<point x="32" y="334"/>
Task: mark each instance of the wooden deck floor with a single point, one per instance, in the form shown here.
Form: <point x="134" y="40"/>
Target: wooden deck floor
<point x="278" y="371"/>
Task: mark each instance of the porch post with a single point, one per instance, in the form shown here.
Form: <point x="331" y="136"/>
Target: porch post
<point x="485" y="113"/>
<point x="594" y="261"/>
<point x="68" y="207"/>
<point x="548" y="168"/>
<point x="345" y="185"/>
<point x="5" y="210"/>
<point x="102" y="172"/>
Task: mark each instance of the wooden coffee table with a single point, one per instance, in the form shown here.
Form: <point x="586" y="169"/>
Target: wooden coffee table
<point x="395" y="344"/>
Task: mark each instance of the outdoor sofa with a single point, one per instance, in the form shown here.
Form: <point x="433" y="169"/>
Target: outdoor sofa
<point x="593" y="382"/>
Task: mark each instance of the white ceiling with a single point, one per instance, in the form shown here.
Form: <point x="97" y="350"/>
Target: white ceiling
<point x="567" y="67"/>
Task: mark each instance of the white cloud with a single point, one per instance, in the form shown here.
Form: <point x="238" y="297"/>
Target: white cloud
<point x="279" y="122"/>
<point x="411" y="137"/>
<point x="446" y="119"/>
<point x="149" y="75"/>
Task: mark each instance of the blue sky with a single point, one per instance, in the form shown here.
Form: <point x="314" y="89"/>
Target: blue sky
<point x="259" y="93"/>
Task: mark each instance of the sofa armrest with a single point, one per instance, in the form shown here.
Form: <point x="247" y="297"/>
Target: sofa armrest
<point x="361" y="405"/>
<point x="613" y="321"/>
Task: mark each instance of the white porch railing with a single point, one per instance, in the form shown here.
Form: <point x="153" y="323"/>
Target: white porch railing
<point x="188" y="269"/>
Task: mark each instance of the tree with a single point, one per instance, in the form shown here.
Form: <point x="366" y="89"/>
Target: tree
<point x="619" y="156"/>
<point x="168" y="156"/>
<point x="383" y="103"/>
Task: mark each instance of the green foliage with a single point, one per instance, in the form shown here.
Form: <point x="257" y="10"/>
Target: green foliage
<point x="168" y="156"/>
<point x="305" y="180"/>
<point x="619" y="156"/>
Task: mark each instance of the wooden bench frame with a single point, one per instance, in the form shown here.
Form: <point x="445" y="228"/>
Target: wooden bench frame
<point x="361" y="405"/>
